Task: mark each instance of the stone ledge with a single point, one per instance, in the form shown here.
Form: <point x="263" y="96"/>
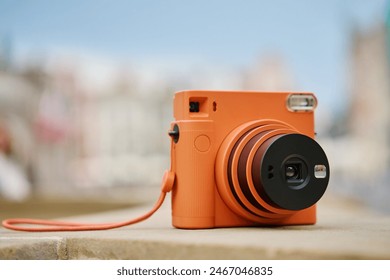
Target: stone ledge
<point x="33" y="248"/>
<point x="342" y="232"/>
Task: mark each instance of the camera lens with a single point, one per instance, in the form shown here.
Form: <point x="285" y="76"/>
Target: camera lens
<point x="292" y="172"/>
<point x="295" y="171"/>
<point x="296" y="187"/>
<point x="268" y="171"/>
<point x="282" y="171"/>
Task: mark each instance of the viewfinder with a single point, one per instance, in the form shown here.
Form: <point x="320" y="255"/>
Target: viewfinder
<point x="198" y="106"/>
<point x="301" y="102"/>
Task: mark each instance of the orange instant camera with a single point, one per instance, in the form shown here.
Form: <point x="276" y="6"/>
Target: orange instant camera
<point x="245" y="159"/>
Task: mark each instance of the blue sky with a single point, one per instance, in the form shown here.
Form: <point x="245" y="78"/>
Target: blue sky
<point x="313" y="36"/>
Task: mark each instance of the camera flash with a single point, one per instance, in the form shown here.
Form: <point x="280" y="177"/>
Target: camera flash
<point x="320" y="171"/>
<point x="301" y="102"/>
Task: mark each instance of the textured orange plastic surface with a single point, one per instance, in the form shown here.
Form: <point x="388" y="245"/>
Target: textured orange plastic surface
<point x="201" y="196"/>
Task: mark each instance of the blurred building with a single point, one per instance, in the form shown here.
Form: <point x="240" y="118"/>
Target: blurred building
<point x="369" y="115"/>
<point x="270" y="73"/>
<point x="105" y="131"/>
<point x="78" y="127"/>
<point x="360" y="157"/>
<point x="5" y="52"/>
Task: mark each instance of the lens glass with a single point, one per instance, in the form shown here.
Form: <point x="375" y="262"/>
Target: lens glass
<point x="292" y="171"/>
<point x="295" y="171"/>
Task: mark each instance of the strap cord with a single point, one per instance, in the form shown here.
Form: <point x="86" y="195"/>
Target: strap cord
<point x="48" y="225"/>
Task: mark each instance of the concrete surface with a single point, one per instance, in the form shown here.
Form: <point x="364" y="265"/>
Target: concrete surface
<point x="343" y="231"/>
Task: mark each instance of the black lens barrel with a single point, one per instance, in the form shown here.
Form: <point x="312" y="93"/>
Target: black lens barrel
<point x="292" y="184"/>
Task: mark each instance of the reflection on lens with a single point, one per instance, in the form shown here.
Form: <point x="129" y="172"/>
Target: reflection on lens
<point x="291" y="172"/>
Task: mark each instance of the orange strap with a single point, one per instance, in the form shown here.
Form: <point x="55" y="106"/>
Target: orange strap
<point x="14" y="224"/>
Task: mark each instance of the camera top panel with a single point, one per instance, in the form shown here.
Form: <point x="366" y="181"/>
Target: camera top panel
<point x="204" y="104"/>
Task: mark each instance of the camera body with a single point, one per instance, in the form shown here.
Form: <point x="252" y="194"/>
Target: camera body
<point x="244" y="158"/>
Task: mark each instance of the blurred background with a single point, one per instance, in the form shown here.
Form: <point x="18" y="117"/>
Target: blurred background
<point x="86" y="88"/>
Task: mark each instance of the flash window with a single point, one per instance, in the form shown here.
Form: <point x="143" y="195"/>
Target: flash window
<point x="301" y="102"/>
